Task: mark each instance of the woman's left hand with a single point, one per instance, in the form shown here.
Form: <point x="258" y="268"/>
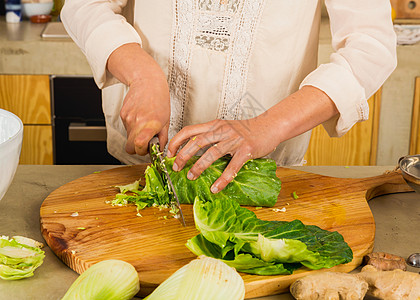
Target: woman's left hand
<point x="253" y="138"/>
<point x="243" y="140"/>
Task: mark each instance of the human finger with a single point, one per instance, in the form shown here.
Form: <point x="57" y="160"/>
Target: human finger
<point x="163" y="136"/>
<point x="187" y="133"/>
<point x="230" y="172"/>
<point x="129" y="146"/>
<point x="205" y="161"/>
<point x="141" y="141"/>
<point x="191" y="148"/>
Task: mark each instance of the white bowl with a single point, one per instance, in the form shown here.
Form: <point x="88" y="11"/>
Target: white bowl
<point x="34" y="9"/>
<point x="11" y="135"/>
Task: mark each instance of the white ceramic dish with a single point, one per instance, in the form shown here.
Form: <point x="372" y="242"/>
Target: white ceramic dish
<point x="34" y="9"/>
<point x="11" y="135"/>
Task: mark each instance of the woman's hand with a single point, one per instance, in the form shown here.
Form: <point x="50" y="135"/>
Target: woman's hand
<point x="243" y="140"/>
<point x="145" y="113"/>
<point x="253" y="138"/>
<point x="146" y="108"/>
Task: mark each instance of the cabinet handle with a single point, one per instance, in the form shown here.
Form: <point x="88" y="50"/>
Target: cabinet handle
<point x="80" y="132"/>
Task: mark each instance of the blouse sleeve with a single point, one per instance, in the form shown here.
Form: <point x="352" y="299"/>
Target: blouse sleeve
<point x="98" y="28"/>
<point x="364" y="45"/>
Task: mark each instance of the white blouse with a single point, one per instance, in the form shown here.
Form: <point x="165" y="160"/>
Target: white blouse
<point x="234" y="59"/>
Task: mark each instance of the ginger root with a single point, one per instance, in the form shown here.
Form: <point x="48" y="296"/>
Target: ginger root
<point x="391" y="285"/>
<point x="329" y="286"/>
<point x="386" y="285"/>
<point x="385" y="261"/>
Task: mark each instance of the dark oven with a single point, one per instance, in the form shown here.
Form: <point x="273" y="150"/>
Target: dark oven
<point x="79" y="133"/>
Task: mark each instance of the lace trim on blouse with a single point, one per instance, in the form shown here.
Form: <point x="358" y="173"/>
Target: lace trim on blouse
<point x="236" y="72"/>
<point x="180" y="61"/>
<point x="226" y="26"/>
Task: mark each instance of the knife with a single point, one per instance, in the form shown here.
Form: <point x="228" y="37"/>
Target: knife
<point x="156" y="156"/>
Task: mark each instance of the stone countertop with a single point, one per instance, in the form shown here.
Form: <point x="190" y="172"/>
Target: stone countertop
<point x="397" y="219"/>
<point x="24" y="51"/>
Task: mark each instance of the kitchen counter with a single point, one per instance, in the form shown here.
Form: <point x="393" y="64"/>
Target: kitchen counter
<point x="397" y="220"/>
<point x="24" y="51"/>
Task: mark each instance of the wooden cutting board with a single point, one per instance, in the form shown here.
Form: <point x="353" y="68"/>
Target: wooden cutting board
<point x="82" y="229"/>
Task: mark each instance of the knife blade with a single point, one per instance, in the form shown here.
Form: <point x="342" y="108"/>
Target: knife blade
<point x="156" y="156"/>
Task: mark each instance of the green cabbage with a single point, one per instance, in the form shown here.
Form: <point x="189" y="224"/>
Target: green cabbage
<point x="256" y="184"/>
<point x="155" y="193"/>
<point x="236" y="236"/>
<point x="19" y="257"/>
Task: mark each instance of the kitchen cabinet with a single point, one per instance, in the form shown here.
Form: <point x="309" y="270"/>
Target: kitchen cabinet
<point x="415" y="121"/>
<point x="406" y="9"/>
<point x="358" y="147"/>
<point x="28" y="97"/>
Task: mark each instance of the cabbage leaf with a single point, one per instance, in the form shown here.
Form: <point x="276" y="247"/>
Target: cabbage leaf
<point x="235" y="235"/>
<point x="256" y="184"/>
<point x="17" y="259"/>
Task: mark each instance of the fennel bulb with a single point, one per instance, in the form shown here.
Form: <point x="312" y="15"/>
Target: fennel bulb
<point x="204" y="278"/>
<point x="109" y="279"/>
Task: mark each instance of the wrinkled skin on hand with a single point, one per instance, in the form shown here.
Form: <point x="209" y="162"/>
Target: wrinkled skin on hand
<point x="252" y="138"/>
<point x="146" y="108"/>
<point x="242" y="139"/>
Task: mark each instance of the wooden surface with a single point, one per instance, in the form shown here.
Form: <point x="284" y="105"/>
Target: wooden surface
<point x="37" y="147"/>
<point x="27" y="96"/>
<point x="406" y="9"/>
<point x="156" y="247"/>
<point x="358" y="147"/>
<point x="415" y="121"/>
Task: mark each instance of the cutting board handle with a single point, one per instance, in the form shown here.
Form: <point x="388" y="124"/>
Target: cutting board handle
<point x="390" y="182"/>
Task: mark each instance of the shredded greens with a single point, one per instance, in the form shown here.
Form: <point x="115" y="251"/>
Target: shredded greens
<point x="155" y="193"/>
<point x="256" y="184"/>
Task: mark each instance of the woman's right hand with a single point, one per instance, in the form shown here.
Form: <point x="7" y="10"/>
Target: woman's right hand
<point x="145" y="113"/>
<point x="146" y="108"/>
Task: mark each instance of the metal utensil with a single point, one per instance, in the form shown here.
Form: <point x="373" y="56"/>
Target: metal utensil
<point x="157" y="157"/>
<point x="410" y="169"/>
<point x="414" y="260"/>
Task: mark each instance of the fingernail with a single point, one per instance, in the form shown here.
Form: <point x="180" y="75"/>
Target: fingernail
<point x="175" y="167"/>
<point x="169" y="154"/>
<point x="214" y="189"/>
<point x="190" y="176"/>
